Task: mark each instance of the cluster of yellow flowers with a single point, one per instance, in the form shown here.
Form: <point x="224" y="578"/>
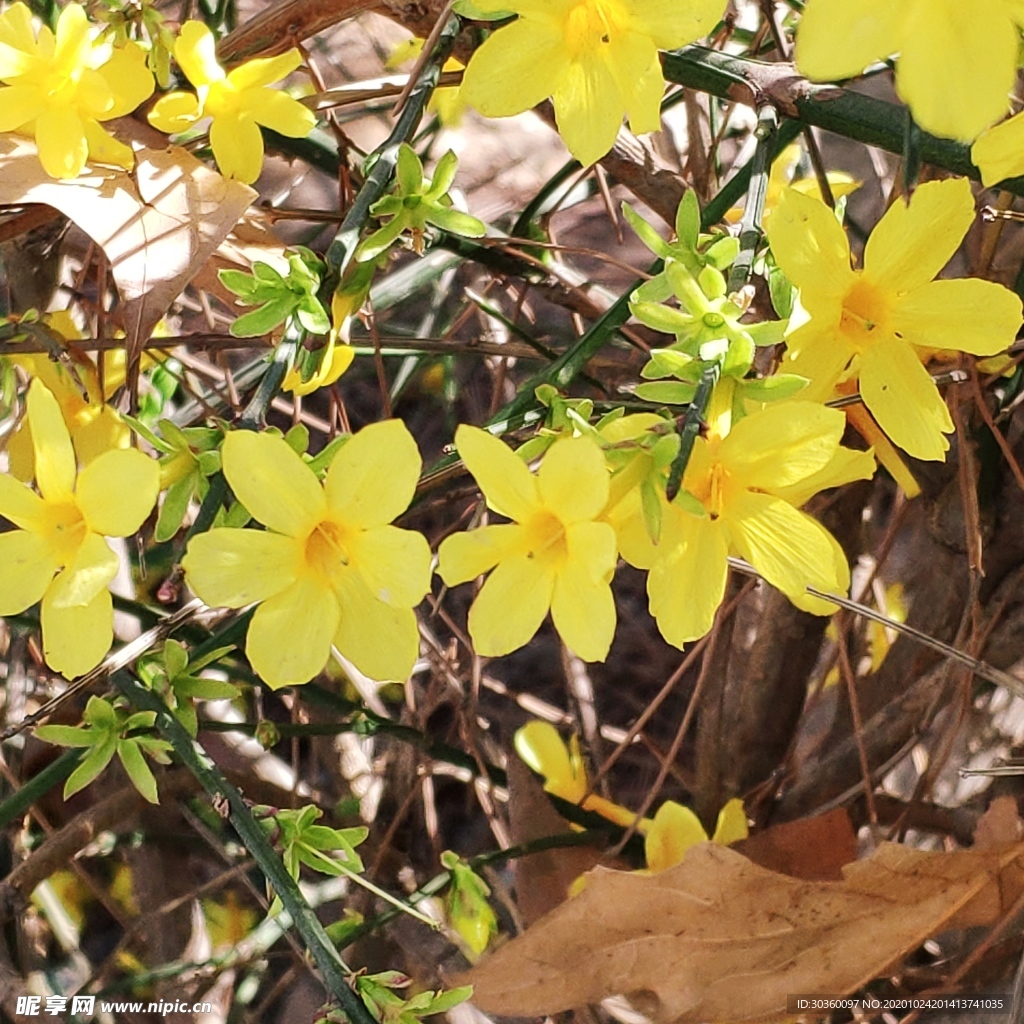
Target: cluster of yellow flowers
<point x="59" y="86"/>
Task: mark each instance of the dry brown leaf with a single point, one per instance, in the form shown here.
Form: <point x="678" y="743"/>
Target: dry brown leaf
<point x="719" y="938"/>
<point x="157" y="226"/>
<point x="1000" y="824"/>
<point x="542" y="879"/>
<point x="815" y="849"/>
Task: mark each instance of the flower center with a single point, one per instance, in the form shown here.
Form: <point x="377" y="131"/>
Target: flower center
<point x="591" y="25"/>
<point x="545" y="539"/>
<point x="865" y="316"/>
<point x="327" y="548"/>
<point x="712" y="488"/>
<point x="66" y="529"/>
<point x="223" y="99"/>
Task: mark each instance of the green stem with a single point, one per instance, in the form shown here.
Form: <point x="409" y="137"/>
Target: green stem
<point x="343" y="248"/>
<point x="691" y="428"/>
<point x="750" y="226"/>
<point x="332" y="968"/>
<point x="850" y="114"/>
<point x="39" y="785"/>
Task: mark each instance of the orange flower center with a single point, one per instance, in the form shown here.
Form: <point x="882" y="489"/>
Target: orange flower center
<point x="591" y="25"/>
<point x="865" y="316"/>
<point x="545" y="539"/>
<point x="327" y="548"/>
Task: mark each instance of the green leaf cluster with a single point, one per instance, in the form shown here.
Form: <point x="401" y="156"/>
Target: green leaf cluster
<point x="379" y="993"/>
<point x="469" y="911"/>
<point x="109" y="729"/>
<point x="279" y="298"/>
<point x="417" y="203"/>
<point x="177" y="680"/>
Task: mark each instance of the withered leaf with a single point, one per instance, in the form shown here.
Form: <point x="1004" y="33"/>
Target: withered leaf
<point x="719" y="938"/>
<point x="157" y="226"/>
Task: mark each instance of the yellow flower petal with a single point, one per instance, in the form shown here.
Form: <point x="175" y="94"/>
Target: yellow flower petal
<point x="175" y="112"/>
<point x="229" y="568"/>
<point x="117" y="490"/>
<point x="841" y="574"/>
<point x="289" y="639"/>
<point x="509" y="487"/>
<point x="383" y="642"/>
<point x="573" y="479"/>
<point x="999" y="152"/>
<point x="280" y="112"/>
<point x="394" y="564"/>
<point x="130" y="81"/>
<point x="273" y="483"/>
<point x="810" y="246"/>
<point x="788" y="548"/>
<point x="373" y="477"/>
<point x="464" y="556"/>
<point x="687" y="585"/>
<point x="671" y="24"/>
<point x="265" y="70"/>
<point x="782" y="444"/>
<point x="55" y="457"/>
<point x="510" y="607"/>
<point x="20" y="504"/>
<point x="844" y="466"/>
<point x="974" y="316"/>
<point x="60" y="139"/>
<point x="674" y="831"/>
<point x="582" y="607"/>
<point x="588" y="108"/>
<point x="93" y="567"/>
<point x="731" y="826"/>
<point x="21" y="104"/>
<point x="237" y="147"/>
<point x="839" y="39"/>
<point x="105" y="149"/>
<point x="820" y="353"/>
<point x="196" y="52"/>
<point x="914" y="241"/>
<point x="76" y="638"/>
<point x="543" y="750"/>
<point x="904" y="400"/>
<point x="958" y="65"/>
<point x="28" y="569"/>
<point x="516" y="68"/>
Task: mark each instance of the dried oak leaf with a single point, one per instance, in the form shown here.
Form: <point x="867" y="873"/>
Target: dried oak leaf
<point x="719" y="938"/>
<point x="157" y="226"/>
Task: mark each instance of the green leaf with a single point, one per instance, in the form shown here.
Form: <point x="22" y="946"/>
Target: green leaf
<point x="688" y="221"/>
<point x="204" y="688"/>
<point x="138" y="771"/>
<point x="722" y="253"/>
<point x="666" y="319"/>
<point x="468" y="9"/>
<point x="408" y="171"/>
<point x="174" y="507"/>
<point x="297" y="438"/>
<point x="444" y="175"/>
<point x="668" y="392"/>
<point x="265" y="319"/>
<point x="238" y="282"/>
<point x="444" y="1001"/>
<point x="646" y="233"/>
<point x="66" y="735"/>
<point x="456" y="222"/>
<point x="100" y="713"/>
<point x="175" y="658"/>
<point x="650" y="502"/>
<point x="210" y="657"/>
<point x="92" y="765"/>
<point x="313" y="316"/>
<point x="768" y="332"/>
<point x="782" y="293"/>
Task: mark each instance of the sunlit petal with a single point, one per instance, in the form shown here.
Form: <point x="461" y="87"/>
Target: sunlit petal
<point x="117" y="490"/>
<point x="55" y="456"/>
<point x="380" y="640"/>
<point x="229" y="568"/>
<point x="839" y="39"/>
<point x="573" y="479"/>
<point x="21" y="505"/>
<point x="394" y="564"/>
<point x="509" y="487"/>
<point x="272" y="482"/>
<point x="196" y="53"/>
<point x="510" y="607"/>
<point x="470" y="553"/>
<point x="28" y="568"/>
<point x="373" y="477"/>
<point x="76" y="638"/>
<point x="238" y="147"/>
<point x="674" y="830"/>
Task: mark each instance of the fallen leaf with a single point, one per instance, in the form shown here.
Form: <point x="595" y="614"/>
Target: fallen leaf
<point x="1000" y="824"/>
<point x="543" y="878"/>
<point x="815" y="849"/>
<point x="157" y="226"/>
<point x="719" y="938"/>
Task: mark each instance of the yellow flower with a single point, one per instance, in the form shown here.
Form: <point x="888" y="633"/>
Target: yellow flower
<point x="329" y="569"/>
<point x="740" y="496"/>
<point x="57" y="553"/>
<point x="60" y="86"/>
<point x="676" y="828"/>
<point x="596" y="59"/>
<point x="781" y="176"/>
<point x="238" y="101"/>
<point x="957" y="61"/>
<point x="867" y="325"/>
<point x="94" y="426"/>
<point x="565" y="776"/>
<point x="553" y="556"/>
